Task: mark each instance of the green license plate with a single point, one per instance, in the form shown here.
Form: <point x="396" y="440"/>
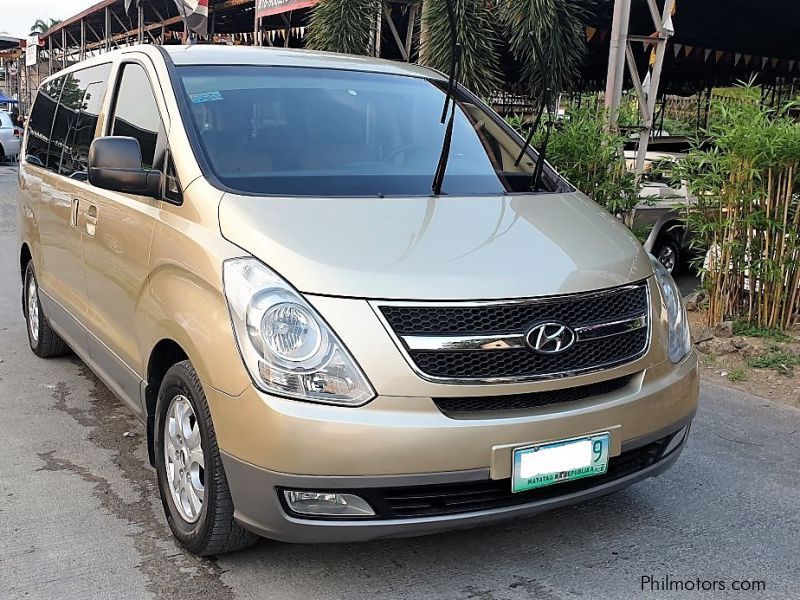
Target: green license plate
<point x="557" y="462"/>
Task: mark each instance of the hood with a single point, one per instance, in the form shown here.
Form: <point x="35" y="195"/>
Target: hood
<point x="437" y="248"/>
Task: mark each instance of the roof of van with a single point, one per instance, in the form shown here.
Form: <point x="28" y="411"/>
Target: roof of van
<point x="200" y="54"/>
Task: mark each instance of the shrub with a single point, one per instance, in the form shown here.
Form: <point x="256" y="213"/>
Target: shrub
<point x="589" y="156"/>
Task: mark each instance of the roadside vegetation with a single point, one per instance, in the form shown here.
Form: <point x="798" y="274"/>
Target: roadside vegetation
<point x="777" y="360"/>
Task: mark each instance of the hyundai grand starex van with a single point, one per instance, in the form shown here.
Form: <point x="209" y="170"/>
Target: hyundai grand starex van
<point x="248" y="247"/>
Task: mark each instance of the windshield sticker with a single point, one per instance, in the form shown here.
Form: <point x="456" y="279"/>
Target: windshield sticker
<point x="205" y="97"/>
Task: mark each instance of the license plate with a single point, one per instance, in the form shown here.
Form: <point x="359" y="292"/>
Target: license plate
<point x="557" y="462"/>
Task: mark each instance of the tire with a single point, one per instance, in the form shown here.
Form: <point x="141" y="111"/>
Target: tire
<point x="44" y="342"/>
<point x="668" y="253"/>
<point x="209" y="529"/>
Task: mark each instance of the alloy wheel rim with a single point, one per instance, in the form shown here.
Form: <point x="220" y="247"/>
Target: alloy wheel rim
<point x="667" y="258"/>
<point x="33" y="310"/>
<point x="183" y="458"/>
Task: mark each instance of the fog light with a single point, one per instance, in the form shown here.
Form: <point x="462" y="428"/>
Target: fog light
<point x="327" y="504"/>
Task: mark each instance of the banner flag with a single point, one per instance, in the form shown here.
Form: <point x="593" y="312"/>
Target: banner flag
<point x="267" y="8"/>
<point x="196" y="14"/>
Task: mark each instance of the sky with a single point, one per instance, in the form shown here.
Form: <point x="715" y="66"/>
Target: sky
<point x="17" y="16"/>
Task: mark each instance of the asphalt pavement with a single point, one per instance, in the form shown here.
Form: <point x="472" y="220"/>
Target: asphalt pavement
<point x="80" y="515"/>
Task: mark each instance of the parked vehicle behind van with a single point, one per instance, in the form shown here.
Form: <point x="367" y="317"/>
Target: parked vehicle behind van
<point x="10" y="136"/>
<point x="243" y="244"/>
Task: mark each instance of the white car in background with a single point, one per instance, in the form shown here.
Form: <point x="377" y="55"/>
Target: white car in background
<point x="664" y="202"/>
<point x="10" y="137"/>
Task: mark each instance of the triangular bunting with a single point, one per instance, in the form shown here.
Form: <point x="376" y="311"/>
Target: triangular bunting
<point x="676" y="49"/>
<point x="706" y="54"/>
<point x="687" y="50"/>
<point x="718" y="55"/>
<point x="590" y="33"/>
<point x="736" y="58"/>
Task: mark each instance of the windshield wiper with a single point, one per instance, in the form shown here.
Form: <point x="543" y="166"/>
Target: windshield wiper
<point x="449" y="102"/>
<point x="537" y="51"/>
<point x="540" y="160"/>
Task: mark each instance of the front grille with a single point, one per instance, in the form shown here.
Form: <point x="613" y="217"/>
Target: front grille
<point x="516" y="316"/>
<point x="441" y="322"/>
<point x="450" y="499"/>
<point x="461" y="407"/>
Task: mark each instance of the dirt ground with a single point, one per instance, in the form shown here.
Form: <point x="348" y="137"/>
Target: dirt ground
<point x="768" y="367"/>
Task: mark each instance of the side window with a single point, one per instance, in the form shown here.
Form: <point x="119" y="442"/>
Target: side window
<point x="76" y="120"/>
<point x="136" y="112"/>
<point x="40" y="124"/>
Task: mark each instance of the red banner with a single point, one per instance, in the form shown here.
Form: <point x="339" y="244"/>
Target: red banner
<point x="267" y="8"/>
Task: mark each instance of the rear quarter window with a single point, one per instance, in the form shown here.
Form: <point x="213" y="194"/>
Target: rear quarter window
<point x="76" y="119"/>
<point x="40" y="124"/>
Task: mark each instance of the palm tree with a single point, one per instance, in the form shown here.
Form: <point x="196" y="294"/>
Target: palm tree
<point x="343" y="26"/>
<point x="475" y="22"/>
<point x="42" y="25"/>
<point x="559" y="29"/>
<point x="558" y="26"/>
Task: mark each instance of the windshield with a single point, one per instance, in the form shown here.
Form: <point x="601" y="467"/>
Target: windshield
<point x="326" y="132"/>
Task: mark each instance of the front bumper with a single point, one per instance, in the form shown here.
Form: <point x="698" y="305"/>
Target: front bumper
<point x="395" y="443"/>
<point x="264" y="512"/>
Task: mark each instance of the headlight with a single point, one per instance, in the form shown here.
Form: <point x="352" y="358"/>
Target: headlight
<point x="680" y="343"/>
<point x="287" y="348"/>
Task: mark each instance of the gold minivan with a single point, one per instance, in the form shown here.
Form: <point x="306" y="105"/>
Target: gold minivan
<point x="249" y="248"/>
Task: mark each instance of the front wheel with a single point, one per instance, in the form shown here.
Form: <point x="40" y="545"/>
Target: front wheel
<point x="44" y="342"/>
<point x="191" y="478"/>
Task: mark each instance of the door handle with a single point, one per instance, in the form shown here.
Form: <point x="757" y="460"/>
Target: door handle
<point x="91" y="220"/>
<point x="73" y="216"/>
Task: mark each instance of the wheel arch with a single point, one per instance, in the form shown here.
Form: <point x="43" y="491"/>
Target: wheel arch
<point x="662" y="227"/>
<point x="166" y="353"/>
<point x="25" y="256"/>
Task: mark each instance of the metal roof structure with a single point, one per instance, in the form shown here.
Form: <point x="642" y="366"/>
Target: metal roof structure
<point x="715" y="42"/>
<point x="106" y="25"/>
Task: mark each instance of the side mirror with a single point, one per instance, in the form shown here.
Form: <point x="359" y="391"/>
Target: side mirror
<point x="115" y="163"/>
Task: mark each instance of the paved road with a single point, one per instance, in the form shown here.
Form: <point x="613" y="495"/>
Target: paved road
<point x="80" y="518"/>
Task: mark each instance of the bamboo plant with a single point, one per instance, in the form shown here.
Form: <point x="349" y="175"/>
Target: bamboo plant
<point x="747" y="215"/>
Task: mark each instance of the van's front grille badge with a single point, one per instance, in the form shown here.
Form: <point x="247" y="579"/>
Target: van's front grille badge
<point x="520" y="340"/>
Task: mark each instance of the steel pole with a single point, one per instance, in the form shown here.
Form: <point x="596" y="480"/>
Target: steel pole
<point x="616" y="61"/>
<point x="652" y="96"/>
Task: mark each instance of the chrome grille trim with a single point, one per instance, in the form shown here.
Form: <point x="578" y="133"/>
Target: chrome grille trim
<point x="515" y="340"/>
<point x="504" y="342"/>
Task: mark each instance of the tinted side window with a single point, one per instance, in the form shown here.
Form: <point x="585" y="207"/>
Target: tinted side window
<point x="136" y="112"/>
<point x="40" y="124"/>
<point x="76" y="119"/>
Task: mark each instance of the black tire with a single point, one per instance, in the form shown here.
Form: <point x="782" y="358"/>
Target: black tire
<point x="215" y="531"/>
<point x="45" y="342"/>
<point x="668" y="252"/>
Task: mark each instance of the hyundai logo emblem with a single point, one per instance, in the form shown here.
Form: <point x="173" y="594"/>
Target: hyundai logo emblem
<point x="550" y="338"/>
